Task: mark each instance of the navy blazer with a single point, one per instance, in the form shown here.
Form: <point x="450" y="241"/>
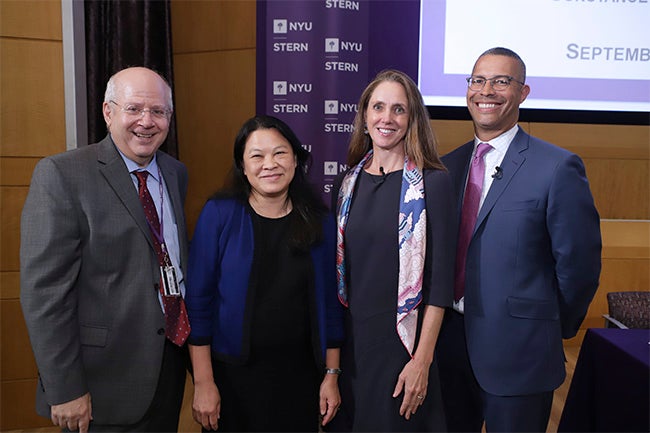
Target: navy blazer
<point x="219" y="274"/>
<point x="533" y="265"/>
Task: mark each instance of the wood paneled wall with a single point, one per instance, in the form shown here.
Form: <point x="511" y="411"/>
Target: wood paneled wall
<point x="214" y="67"/>
<point x="214" y="87"/>
<point x="32" y="125"/>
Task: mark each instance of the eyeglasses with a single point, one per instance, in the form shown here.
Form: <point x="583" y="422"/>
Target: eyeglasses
<point x="134" y="111"/>
<point x="500" y="82"/>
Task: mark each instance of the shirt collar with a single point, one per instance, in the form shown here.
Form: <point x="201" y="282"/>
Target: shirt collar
<point x="132" y="166"/>
<point x="501" y="142"/>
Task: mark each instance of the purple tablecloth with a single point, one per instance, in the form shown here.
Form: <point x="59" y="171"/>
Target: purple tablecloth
<point x="610" y="388"/>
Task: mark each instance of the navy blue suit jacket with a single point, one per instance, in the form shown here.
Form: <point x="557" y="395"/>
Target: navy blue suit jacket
<point x="533" y="265"/>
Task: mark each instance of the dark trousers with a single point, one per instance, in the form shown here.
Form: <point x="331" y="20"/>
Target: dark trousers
<point x="467" y="405"/>
<point x="164" y="413"/>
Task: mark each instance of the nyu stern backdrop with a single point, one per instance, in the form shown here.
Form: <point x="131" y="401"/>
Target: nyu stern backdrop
<point x="314" y="59"/>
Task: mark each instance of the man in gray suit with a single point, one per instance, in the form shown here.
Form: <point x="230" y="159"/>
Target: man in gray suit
<point x="91" y="271"/>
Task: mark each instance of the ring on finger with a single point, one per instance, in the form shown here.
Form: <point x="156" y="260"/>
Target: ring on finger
<point x="420" y="397"/>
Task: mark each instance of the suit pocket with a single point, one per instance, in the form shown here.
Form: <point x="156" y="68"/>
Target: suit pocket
<point x="93" y="335"/>
<point x="533" y="309"/>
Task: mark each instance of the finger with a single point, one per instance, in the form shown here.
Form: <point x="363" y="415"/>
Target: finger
<point x="59" y="420"/>
<point x="72" y="425"/>
<point x="331" y="411"/>
<point x="83" y="426"/>
<point x="214" y="422"/>
<point x="217" y="416"/>
<point x="207" y="422"/>
<point x="398" y="387"/>
<point x="403" y="408"/>
<point x="322" y="403"/>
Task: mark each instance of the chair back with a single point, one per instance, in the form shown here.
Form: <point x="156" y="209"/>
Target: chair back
<point x="630" y="308"/>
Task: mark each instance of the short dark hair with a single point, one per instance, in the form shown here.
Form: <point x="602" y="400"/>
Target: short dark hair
<point x="501" y="51"/>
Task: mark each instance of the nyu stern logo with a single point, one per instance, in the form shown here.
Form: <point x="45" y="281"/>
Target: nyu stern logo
<point x="283" y="26"/>
<point x="333" y="106"/>
<point x="284" y="88"/>
<point x="335" y="45"/>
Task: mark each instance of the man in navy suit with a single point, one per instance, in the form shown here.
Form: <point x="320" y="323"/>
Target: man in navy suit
<point x="531" y="267"/>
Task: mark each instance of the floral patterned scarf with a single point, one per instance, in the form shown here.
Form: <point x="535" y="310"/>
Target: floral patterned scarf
<point x="412" y="245"/>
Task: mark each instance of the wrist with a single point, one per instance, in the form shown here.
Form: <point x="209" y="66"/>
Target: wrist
<point x="423" y="360"/>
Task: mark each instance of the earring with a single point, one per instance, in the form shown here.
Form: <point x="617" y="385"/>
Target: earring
<point x="365" y="129"/>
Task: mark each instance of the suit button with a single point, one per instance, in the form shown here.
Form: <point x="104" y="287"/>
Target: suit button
<point x="161" y="331"/>
<point x="156" y="287"/>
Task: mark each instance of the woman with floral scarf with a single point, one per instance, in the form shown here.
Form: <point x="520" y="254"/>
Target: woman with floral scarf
<point x="395" y="261"/>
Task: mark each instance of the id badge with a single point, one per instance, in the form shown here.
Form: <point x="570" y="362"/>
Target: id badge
<point x="170" y="283"/>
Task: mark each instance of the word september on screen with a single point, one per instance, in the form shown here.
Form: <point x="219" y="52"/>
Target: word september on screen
<point x="579" y="54"/>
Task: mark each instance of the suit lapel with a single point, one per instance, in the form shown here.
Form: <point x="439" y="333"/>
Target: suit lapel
<point x="458" y="168"/>
<point x="512" y="162"/>
<point x="112" y="167"/>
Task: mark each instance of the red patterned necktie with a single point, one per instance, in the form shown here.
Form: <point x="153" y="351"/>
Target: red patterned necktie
<point x="177" y="325"/>
<point x="469" y="213"/>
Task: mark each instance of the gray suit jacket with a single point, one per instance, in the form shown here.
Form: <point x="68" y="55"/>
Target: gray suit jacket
<point x="88" y="275"/>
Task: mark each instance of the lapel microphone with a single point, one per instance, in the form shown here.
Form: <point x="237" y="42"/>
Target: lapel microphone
<point x="498" y="173"/>
<point x="381" y="171"/>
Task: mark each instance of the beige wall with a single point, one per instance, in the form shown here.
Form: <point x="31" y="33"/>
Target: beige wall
<point x="31" y="126"/>
<point x="214" y="66"/>
<point x="214" y="85"/>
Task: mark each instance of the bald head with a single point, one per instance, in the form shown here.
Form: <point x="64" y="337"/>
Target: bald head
<point x="131" y="76"/>
<point x="137" y="109"/>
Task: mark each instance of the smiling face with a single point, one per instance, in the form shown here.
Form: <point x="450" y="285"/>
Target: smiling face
<point x="387" y="115"/>
<point x="138" y="136"/>
<point x="269" y="163"/>
<point x="496" y="111"/>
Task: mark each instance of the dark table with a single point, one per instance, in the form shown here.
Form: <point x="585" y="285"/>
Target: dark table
<point x="610" y="388"/>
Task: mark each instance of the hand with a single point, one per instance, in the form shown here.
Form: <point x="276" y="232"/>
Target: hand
<point x="73" y="415"/>
<point x="413" y="380"/>
<point x="206" y="407"/>
<point x="330" y="398"/>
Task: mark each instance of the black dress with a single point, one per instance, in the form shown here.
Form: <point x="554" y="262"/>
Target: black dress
<point x="277" y="388"/>
<point x="375" y="356"/>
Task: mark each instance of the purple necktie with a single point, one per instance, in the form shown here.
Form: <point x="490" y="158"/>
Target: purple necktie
<point x="469" y="213"/>
<point x="177" y="326"/>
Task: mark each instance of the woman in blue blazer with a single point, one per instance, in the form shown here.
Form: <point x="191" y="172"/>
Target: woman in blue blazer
<point x="261" y="293"/>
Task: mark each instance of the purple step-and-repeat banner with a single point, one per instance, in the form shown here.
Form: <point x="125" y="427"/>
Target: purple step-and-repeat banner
<point x="314" y="58"/>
